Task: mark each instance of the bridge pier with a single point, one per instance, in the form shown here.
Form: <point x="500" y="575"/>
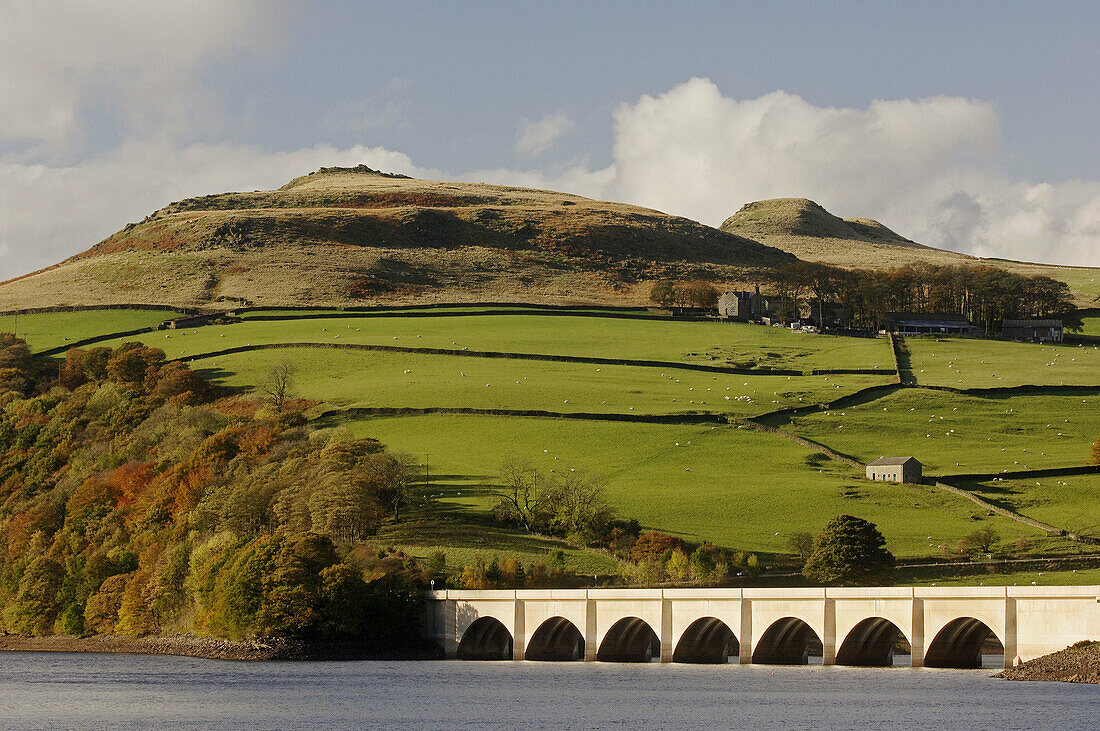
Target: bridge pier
<point x="519" y="635"/>
<point x="668" y="646"/>
<point x="591" y="646"/>
<point x="828" y="640"/>
<point x="916" y="636"/>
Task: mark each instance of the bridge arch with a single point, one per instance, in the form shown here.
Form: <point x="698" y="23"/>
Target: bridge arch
<point x="630" y="639"/>
<point x="871" y="643"/>
<point x="555" y="639"/>
<point x="706" y="640"/>
<point x="787" y="641"/>
<point x="959" y="644"/>
<point x="485" y="639"/>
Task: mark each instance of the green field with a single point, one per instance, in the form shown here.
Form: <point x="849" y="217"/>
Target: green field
<point x="974" y="363"/>
<point x="1071" y="502"/>
<point x="742" y="345"/>
<point x="1027" y="577"/>
<point x="46" y="330"/>
<point x="952" y="433"/>
<point x="1091" y="325"/>
<point x="365" y="378"/>
<point x="732" y="486"/>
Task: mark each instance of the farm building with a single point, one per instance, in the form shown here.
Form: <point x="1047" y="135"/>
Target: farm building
<point x="894" y="469"/>
<point x="930" y="324"/>
<point x="187" y="321"/>
<point x="743" y="305"/>
<point x="1033" y="331"/>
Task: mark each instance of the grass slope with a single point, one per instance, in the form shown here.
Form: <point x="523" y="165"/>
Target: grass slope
<point x="736" y="487"/>
<point x="46" y="330"/>
<point x="741" y="345"/>
<point x="378" y="379"/>
<point x="1072" y="502"/>
<point x="954" y="434"/>
<point x="973" y="363"/>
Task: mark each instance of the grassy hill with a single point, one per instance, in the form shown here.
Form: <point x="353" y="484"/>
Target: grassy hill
<point x="348" y="236"/>
<point x="811" y="233"/>
<point x="713" y="432"/>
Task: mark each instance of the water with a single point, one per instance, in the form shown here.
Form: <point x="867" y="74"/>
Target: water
<point x="54" y="690"/>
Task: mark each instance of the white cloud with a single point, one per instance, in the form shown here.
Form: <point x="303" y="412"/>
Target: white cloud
<point x="927" y="168"/>
<point x="537" y="137"/>
<point x="48" y="213"/>
<point x="133" y="60"/>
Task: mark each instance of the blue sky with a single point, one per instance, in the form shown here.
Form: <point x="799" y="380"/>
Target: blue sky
<point x="971" y="126"/>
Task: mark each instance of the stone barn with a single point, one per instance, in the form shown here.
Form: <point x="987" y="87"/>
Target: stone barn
<point x="895" y="469"/>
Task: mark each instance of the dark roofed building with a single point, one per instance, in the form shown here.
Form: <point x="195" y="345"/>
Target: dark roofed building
<point x="910" y="323"/>
<point x="895" y="469"/>
<point x="1033" y="331"/>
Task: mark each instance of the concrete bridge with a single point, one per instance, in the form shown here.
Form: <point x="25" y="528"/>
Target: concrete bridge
<point x="944" y="626"/>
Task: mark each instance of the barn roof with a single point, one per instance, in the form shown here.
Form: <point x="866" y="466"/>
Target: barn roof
<point x="1033" y="323"/>
<point x="884" y="461"/>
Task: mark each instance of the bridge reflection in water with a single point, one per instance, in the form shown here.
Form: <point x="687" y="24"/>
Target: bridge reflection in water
<point x="937" y="626"/>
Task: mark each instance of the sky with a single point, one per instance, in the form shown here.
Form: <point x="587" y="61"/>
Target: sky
<point x="972" y="126"/>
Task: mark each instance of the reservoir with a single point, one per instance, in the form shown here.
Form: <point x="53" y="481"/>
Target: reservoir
<point x="62" y="690"/>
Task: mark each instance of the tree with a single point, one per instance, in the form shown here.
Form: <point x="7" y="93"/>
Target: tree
<point x="662" y="293"/>
<point x="654" y="545"/>
<point x="849" y="551"/>
<point x="132" y="363"/>
<point x="278" y="385"/>
<point x="980" y="541"/>
<point x="519" y="495"/>
<point x="393" y="476"/>
<point x="575" y="506"/>
<point x="802" y="543"/>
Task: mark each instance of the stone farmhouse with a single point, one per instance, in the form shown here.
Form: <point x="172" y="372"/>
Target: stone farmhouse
<point x="895" y="469"/>
<point x="744" y="305"/>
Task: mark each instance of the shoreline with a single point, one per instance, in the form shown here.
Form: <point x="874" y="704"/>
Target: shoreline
<point x="1078" y="663"/>
<point x="213" y="648"/>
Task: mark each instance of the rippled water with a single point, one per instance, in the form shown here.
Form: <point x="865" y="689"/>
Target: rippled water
<point x="117" y="691"/>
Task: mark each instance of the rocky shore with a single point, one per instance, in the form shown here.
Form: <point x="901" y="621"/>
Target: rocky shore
<point x="1079" y="663"/>
<point x="217" y="649"/>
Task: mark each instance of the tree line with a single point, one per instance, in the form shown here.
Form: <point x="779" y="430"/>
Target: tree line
<point x="864" y="298"/>
<point x="135" y="497"/>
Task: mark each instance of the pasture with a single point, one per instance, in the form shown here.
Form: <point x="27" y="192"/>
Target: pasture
<point x="732" y="486"/>
<point x="46" y="330"/>
<point x="1023" y="577"/>
<point x="713" y="343"/>
<point x="955" y="434"/>
<point x="1091" y="324"/>
<point x="975" y="363"/>
<point x="381" y="379"/>
<point x="1069" y="501"/>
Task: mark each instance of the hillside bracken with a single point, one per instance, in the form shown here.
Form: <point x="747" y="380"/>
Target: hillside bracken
<point x="135" y="499"/>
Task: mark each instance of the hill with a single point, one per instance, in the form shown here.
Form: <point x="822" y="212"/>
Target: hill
<point x="346" y="236"/>
<point x="805" y="229"/>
